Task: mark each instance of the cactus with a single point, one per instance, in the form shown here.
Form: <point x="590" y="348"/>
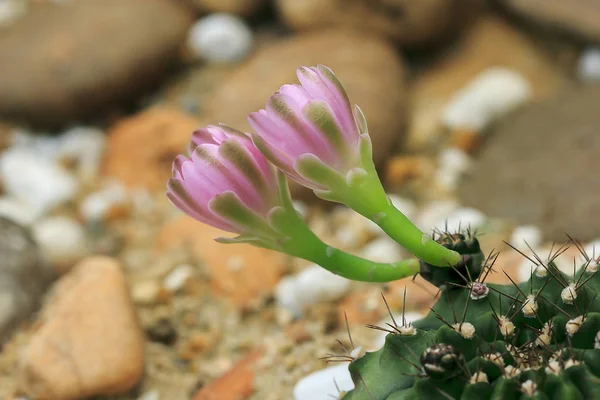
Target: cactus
<point x="536" y="340"/>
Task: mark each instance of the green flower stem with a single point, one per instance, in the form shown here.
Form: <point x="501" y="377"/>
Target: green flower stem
<point x="348" y="265"/>
<point x="370" y="200"/>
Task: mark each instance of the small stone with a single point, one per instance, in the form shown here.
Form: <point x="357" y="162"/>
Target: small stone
<point x="140" y="149"/>
<point x="11" y="10"/>
<point x="17" y="210"/>
<point x="588" y="68"/>
<point x="382" y="249"/>
<point x="89" y="342"/>
<point x="489" y="95"/>
<point x="151" y="395"/>
<point x="37" y="181"/>
<point x="312" y="285"/>
<point x="462" y="219"/>
<point x="525" y="235"/>
<point x="102" y="204"/>
<point x="465" y="140"/>
<point x="162" y="331"/>
<point x="46" y="78"/>
<point x="237" y="383"/>
<point x="402" y="169"/>
<point x="23" y="278"/>
<point x="220" y="38"/>
<point x="86" y="146"/>
<point x="433" y="89"/>
<point x="177" y="278"/>
<point x="262" y="268"/>
<point x="433" y="212"/>
<point x="145" y="292"/>
<point x="62" y="241"/>
<point x="325" y="384"/>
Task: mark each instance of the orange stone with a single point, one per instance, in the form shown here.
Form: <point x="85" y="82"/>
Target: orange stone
<point x="237" y="384"/>
<point x="141" y="149"/>
<point x="240" y="272"/>
<point x="401" y="169"/>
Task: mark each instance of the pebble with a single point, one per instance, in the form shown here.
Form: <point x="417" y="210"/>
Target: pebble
<point x="526" y="233"/>
<point x="324" y="384"/>
<point x="35" y="180"/>
<point x="452" y="164"/>
<point x="140" y="149"/>
<point x="382" y="249"/>
<point x="17" y="210"/>
<point x="434" y="88"/>
<point x="177" y="278"/>
<point x="85" y="145"/>
<point x="434" y="212"/>
<point x="11" y="10"/>
<point x="588" y="69"/>
<point x="151" y="395"/>
<point x="89" y="342"/>
<point x="97" y="206"/>
<point x="489" y="95"/>
<point x="461" y="219"/>
<point x="145" y="292"/>
<point x="23" y="276"/>
<point x="312" y="285"/>
<point x="62" y="241"/>
<point x="45" y="76"/>
<point x="220" y="38"/>
<point x="162" y="331"/>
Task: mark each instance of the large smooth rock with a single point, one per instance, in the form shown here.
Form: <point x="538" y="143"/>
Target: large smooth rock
<point x="23" y="277"/>
<point x="490" y="43"/>
<point x="74" y="60"/>
<point x="541" y="167"/>
<point x="578" y="17"/>
<point x="369" y="69"/>
<point x="89" y="342"/>
<point x="408" y="22"/>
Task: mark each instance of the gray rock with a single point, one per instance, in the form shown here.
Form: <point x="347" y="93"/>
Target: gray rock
<point x="23" y="278"/>
<point x="541" y="167"/>
<point x="74" y="60"/>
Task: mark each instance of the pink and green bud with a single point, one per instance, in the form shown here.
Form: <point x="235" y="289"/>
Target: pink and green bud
<point x="311" y="132"/>
<point x="226" y="182"/>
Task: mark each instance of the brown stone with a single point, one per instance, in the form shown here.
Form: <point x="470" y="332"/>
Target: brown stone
<point x="489" y="43"/>
<point x="141" y="149"/>
<point x="75" y="60"/>
<point x="240" y="272"/>
<point x="236" y="384"/>
<point x="90" y="342"/>
<point x="368" y="67"/>
<point x="579" y="17"/>
<point x="408" y="22"/>
<point x="239" y="7"/>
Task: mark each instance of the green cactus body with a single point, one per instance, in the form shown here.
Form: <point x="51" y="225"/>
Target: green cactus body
<point x="536" y="340"/>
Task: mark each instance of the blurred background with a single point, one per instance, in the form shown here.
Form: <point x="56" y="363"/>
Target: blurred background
<point x="482" y="114"/>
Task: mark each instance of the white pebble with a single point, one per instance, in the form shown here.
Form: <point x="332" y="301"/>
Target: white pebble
<point x="17" y="211"/>
<point x="220" y="38"/>
<point x="96" y="205"/>
<point x="433" y="212"/>
<point x="588" y="68"/>
<point x="489" y="95"/>
<point x="382" y="249"/>
<point x="529" y="234"/>
<point x="177" y="278"/>
<point x="312" y="285"/>
<point x="461" y="219"/>
<point x="454" y="159"/>
<point x="37" y="181"/>
<point x="324" y="384"/>
<point x="86" y="146"/>
<point x="62" y="241"/>
<point x="145" y="292"/>
<point x="151" y="395"/>
<point x="11" y="10"/>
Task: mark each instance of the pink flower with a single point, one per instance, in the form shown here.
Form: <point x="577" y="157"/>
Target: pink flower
<point x="225" y="182"/>
<point x="312" y="124"/>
